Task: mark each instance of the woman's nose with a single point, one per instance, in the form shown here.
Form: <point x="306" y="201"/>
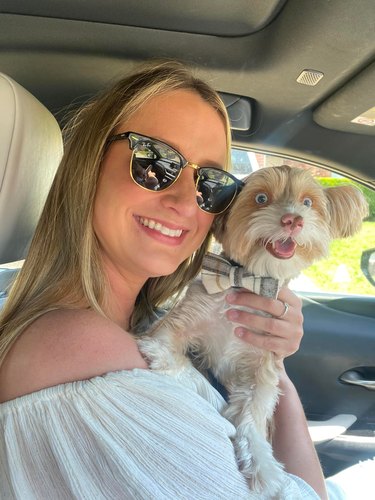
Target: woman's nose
<point x="182" y="195"/>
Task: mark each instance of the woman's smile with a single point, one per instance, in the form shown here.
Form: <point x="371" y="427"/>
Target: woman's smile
<point x="160" y="230"/>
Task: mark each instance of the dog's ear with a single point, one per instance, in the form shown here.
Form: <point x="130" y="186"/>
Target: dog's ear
<point x="347" y="207"/>
<point x="218" y="226"/>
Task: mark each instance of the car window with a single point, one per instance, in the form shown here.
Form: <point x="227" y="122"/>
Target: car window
<point x="8" y="273"/>
<point x="341" y="272"/>
<point x="243" y="162"/>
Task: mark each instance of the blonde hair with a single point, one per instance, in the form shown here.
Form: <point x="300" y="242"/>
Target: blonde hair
<point x="63" y="267"/>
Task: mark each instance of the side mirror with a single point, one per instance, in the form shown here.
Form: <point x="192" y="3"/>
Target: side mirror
<point x="368" y="265"/>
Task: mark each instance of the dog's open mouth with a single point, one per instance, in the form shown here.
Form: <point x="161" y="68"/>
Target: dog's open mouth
<point x="282" y="249"/>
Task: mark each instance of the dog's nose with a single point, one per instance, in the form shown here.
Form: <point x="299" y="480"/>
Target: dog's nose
<point x="293" y="222"/>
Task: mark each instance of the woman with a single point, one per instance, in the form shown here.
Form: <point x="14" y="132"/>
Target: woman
<point x="81" y="415"/>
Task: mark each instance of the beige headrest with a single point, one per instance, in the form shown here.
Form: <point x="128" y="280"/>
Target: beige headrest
<point x="30" y="151"/>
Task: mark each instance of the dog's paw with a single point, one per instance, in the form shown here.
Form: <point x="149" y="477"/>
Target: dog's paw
<point x="155" y="353"/>
<point x="161" y="356"/>
<point x="268" y="479"/>
<point x="263" y="472"/>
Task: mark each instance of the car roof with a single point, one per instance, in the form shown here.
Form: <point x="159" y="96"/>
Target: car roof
<point x="251" y="52"/>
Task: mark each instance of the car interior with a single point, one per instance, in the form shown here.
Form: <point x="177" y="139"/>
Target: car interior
<point x="298" y="80"/>
<point x="30" y="150"/>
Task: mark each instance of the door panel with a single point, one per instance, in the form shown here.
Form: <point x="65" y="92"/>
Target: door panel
<point x="339" y="336"/>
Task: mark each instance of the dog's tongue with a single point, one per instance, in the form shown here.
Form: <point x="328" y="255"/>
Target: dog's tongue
<point x="282" y="249"/>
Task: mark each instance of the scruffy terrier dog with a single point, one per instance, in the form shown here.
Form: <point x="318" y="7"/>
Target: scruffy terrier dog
<point x="280" y="223"/>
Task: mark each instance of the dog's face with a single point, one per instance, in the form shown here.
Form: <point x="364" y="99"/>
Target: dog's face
<point x="283" y="220"/>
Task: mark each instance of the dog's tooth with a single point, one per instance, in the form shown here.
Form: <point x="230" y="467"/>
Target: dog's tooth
<point x="151" y="224"/>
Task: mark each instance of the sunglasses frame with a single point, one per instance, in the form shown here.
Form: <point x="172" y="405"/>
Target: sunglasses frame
<point x="133" y="143"/>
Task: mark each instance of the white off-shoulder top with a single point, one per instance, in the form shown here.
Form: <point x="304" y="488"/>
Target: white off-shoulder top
<point x="133" y="434"/>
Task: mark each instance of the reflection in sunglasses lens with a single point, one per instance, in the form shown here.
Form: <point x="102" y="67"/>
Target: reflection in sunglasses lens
<point x="155" y="167"/>
<point x="217" y="189"/>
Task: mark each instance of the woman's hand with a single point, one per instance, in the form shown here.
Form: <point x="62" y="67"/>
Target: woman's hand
<point x="280" y="331"/>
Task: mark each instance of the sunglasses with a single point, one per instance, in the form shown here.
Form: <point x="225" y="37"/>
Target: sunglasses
<point x="156" y="166"/>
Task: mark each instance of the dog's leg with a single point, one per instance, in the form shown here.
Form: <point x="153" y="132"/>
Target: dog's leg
<point x="167" y="343"/>
<point x="252" y="402"/>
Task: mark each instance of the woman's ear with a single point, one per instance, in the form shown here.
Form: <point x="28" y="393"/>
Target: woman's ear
<point x="347" y="207"/>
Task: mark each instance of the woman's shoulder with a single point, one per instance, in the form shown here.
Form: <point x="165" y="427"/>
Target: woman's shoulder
<point x="64" y="346"/>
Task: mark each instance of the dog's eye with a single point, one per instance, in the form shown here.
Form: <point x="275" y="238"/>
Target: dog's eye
<point x="261" y="198"/>
<point x="307" y="202"/>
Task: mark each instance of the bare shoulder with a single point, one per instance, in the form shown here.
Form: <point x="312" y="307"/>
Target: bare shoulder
<point x="64" y="346"/>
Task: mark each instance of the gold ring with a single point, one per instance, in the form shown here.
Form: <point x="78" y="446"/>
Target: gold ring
<point x="286" y="309"/>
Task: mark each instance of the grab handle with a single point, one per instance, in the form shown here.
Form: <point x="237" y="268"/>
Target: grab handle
<point x="360" y="376"/>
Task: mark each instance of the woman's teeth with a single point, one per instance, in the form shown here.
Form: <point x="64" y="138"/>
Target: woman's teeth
<point x="156" y="226"/>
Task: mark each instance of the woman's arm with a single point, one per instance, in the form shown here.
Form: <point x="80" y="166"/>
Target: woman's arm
<point x="292" y="444"/>
<point x="63" y="346"/>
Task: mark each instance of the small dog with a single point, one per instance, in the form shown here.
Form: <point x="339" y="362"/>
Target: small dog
<point x="280" y="223"/>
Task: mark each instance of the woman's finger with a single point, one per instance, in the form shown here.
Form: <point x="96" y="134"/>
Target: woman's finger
<point x="279" y="346"/>
<point x="274" y="307"/>
<point x="277" y="326"/>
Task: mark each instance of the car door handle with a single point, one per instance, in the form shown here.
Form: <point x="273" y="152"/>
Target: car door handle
<point x="363" y="376"/>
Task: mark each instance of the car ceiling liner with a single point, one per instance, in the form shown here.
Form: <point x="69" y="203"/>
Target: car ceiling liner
<point x="206" y="17"/>
<point x="351" y="108"/>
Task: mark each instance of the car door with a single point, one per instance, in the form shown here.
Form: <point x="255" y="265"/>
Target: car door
<point x="334" y="372"/>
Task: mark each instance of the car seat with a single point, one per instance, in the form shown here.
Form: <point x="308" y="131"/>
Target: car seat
<point x="30" y="151"/>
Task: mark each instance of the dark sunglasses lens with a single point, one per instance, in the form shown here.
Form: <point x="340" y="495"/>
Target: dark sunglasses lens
<point x="154" y="165"/>
<point x="215" y="190"/>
